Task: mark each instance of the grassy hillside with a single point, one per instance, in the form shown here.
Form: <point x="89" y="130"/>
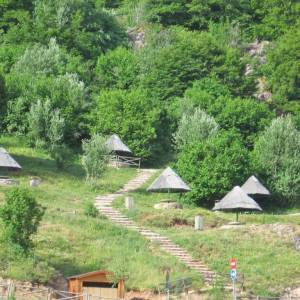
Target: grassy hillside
<point x="68" y="241"/>
<point x="263" y="246"/>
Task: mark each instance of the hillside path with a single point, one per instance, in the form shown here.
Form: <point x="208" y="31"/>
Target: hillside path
<point x="104" y="205"/>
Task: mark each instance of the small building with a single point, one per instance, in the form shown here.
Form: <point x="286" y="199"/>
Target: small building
<point x="97" y="284"/>
<point x="120" y="154"/>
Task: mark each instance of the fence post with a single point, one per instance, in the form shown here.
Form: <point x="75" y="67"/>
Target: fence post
<point x="129" y="203"/>
<point x="198" y="223"/>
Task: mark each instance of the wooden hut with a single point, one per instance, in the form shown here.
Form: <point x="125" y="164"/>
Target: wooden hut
<point x="120" y="154"/>
<point x="237" y="200"/>
<point x="96" y="284"/>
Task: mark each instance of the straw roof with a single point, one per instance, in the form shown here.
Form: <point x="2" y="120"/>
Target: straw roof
<point x="115" y="144"/>
<point x="168" y="180"/>
<point x="253" y="187"/>
<point x="7" y="162"/>
<point x="237" y="199"/>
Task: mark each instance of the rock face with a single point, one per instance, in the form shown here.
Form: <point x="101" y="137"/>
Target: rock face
<point x="168" y="205"/>
<point x="137" y="38"/>
<point x="291" y="294"/>
<point x="35" y="182"/>
<point x="257" y="51"/>
<point x="297" y="242"/>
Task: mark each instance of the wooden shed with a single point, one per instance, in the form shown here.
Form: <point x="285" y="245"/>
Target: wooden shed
<point x="96" y="284"/>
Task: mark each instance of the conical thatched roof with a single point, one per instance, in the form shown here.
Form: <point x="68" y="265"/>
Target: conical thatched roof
<point x="253" y="187"/>
<point x="237" y="200"/>
<point x="7" y="162"/>
<point x="168" y="181"/>
<point x="115" y="144"/>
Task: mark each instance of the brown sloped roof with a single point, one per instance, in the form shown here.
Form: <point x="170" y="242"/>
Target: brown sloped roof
<point x="89" y="274"/>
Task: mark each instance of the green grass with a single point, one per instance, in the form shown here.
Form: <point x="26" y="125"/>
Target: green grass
<point x="71" y="243"/>
<point x="268" y="261"/>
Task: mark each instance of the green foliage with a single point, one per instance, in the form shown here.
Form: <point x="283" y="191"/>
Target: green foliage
<point x="130" y="114"/>
<point x="277" y="159"/>
<point x="42" y="73"/>
<point x="80" y="25"/>
<point x="117" y="69"/>
<point x="213" y="167"/>
<point x="196" y="15"/>
<point x="90" y="210"/>
<point x="263" y="19"/>
<point x="274" y="17"/>
<point x="21" y="215"/>
<point x="189" y="56"/>
<point x="95" y="157"/>
<point x="194" y="128"/>
<point x="282" y="71"/>
<point x="248" y="116"/>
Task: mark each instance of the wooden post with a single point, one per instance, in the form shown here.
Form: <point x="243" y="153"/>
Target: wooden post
<point x="199" y="223"/>
<point x="129" y="203"/>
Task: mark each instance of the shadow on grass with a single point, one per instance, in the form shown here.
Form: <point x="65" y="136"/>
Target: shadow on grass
<point x="33" y="166"/>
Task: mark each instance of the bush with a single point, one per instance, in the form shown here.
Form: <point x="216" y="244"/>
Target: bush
<point x="248" y="116"/>
<point x="212" y="167"/>
<point x="117" y="69"/>
<point x="195" y="128"/>
<point x="276" y="158"/>
<point x="21" y="215"/>
<point x="95" y="157"/>
<point x="90" y="210"/>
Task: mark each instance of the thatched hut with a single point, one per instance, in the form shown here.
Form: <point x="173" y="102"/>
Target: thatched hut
<point x="168" y="181"/>
<point x="7" y="162"/>
<point x="237" y="200"/>
<point x="254" y="187"/>
<point x="121" y="155"/>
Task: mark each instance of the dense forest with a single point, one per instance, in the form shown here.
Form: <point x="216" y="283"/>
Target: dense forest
<point x="211" y="85"/>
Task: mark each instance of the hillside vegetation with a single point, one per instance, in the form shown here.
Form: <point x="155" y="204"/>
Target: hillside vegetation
<point x="70" y="242"/>
<point x="210" y="88"/>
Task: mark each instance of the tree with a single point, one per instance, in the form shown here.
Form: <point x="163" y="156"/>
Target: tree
<point x="117" y="69"/>
<point x="79" y="25"/>
<point x="21" y="215"/>
<point x="212" y="167"/>
<point x="282" y="72"/>
<point x="95" y="157"/>
<point x="46" y="130"/>
<point x="194" y="128"/>
<point x="130" y="114"/>
<point x="248" y="116"/>
<point x="42" y="73"/>
<point x="276" y="158"/>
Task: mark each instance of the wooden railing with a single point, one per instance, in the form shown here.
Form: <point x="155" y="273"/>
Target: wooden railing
<point x="125" y="161"/>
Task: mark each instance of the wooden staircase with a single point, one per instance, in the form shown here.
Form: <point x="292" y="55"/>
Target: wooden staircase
<point x="104" y="205"/>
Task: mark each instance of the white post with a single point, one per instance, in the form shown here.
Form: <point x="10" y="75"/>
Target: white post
<point x="129" y="203"/>
<point x="199" y="223"/>
<point x="233" y="290"/>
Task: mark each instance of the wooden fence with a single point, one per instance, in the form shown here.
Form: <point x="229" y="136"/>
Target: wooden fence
<point x="119" y="161"/>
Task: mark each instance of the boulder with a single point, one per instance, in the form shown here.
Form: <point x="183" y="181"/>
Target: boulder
<point x="167" y="205"/>
<point x="35" y="181"/>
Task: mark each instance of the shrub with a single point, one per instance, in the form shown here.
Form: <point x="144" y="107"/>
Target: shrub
<point x="117" y="69"/>
<point x="195" y="128"/>
<point x="248" y="116"/>
<point x="276" y="158"/>
<point x="212" y="167"/>
<point x="21" y="215"/>
<point x="95" y="157"/>
<point x="90" y="210"/>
